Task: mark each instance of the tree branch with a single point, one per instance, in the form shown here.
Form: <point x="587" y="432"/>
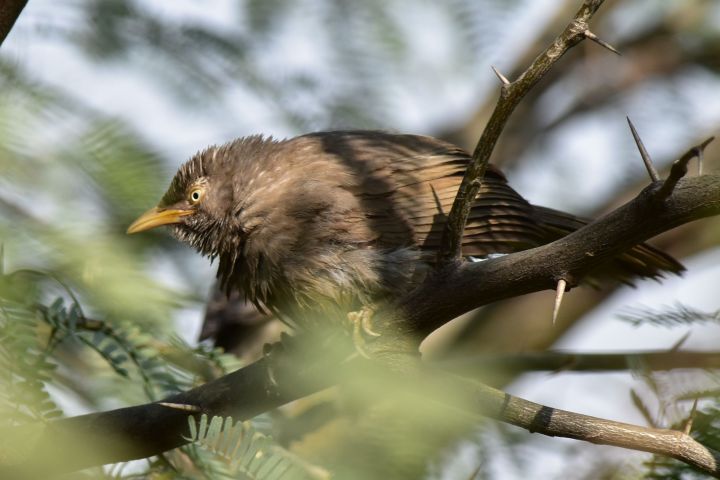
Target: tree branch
<point x="656" y="360"/>
<point x="511" y="93"/>
<point x="9" y="13"/>
<point x="145" y="430"/>
<point x="453" y="291"/>
<point x="561" y="423"/>
<point x="679" y="168"/>
<point x="472" y="396"/>
<point x="488" y="328"/>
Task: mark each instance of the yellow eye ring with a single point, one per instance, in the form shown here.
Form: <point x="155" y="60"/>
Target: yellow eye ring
<point x="195" y="196"/>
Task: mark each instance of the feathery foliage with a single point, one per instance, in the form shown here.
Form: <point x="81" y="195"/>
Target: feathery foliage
<point x="247" y="451"/>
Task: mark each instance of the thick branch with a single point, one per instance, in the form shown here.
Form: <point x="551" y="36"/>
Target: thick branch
<point x="9" y="13"/>
<point x="145" y="430"/>
<point x="510" y="96"/>
<point x="458" y="289"/>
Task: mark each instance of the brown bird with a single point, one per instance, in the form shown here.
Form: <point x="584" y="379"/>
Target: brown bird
<point x="338" y="221"/>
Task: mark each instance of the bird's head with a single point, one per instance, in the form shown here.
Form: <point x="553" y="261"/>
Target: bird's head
<point x="198" y="203"/>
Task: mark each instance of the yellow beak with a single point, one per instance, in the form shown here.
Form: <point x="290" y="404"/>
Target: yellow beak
<point x="156" y="217"/>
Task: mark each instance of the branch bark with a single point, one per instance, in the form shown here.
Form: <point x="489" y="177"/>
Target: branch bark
<point x="9" y="13"/>
<point x="455" y="290"/>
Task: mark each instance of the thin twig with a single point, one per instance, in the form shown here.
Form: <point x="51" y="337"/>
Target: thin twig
<point x="510" y="96"/>
<point x="655" y="360"/>
<point x="679" y="169"/>
<point x="680" y="342"/>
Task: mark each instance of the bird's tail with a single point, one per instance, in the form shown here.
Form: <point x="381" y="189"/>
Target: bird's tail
<point x="640" y="261"/>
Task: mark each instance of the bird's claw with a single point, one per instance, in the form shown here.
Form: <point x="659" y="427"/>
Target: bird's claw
<point x="361" y="322"/>
<point x="270" y="351"/>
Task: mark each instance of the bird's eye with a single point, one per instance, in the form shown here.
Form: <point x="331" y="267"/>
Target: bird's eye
<point x="195" y="195"/>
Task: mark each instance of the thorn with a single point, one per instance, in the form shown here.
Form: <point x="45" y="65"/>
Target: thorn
<point x="676" y="346"/>
<point x="700" y="149"/>
<point x="594" y="38"/>
<point x="654" y="176"/>
<point x="559" y="292"/>
<point x="502" y="77"/>
<point x="691" y="417"/>
<point x="701" y="153"/>
<point x="181" y="406"/>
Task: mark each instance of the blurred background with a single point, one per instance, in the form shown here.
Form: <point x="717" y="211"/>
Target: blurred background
<point x="102" y="100"/>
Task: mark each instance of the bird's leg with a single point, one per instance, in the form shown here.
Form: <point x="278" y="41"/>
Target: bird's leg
<point x="361" y="322"/>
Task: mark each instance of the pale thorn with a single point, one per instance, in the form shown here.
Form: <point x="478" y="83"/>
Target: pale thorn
<point x="588" y="34"/>
<point x="559" y="292"/>
<point x="502" y="77"/>
<point x="700" y="162"/>
<point x="701" y="153"/>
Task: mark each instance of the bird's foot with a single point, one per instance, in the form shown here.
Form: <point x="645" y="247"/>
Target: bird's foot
<point x="361" y="322"/>
<point x="271" y="352"/>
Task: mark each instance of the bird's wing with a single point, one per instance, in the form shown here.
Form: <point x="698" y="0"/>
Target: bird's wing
<point x="406" y="185"/>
